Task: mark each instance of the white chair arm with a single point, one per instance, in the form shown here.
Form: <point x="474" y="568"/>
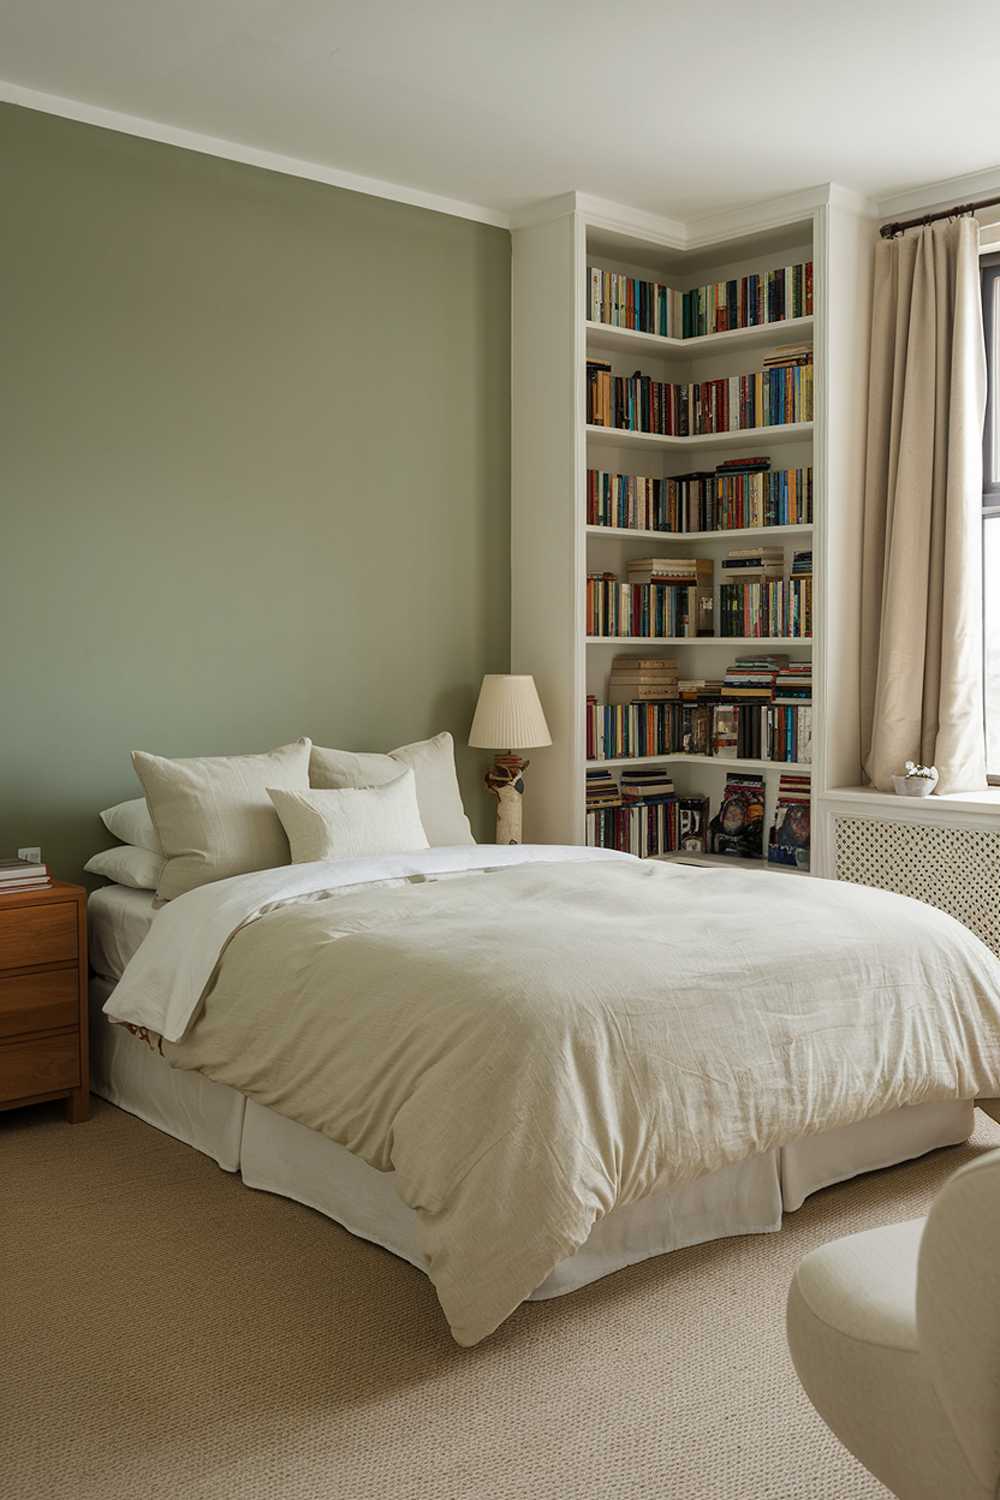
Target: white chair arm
<point x="958" y="1309"/>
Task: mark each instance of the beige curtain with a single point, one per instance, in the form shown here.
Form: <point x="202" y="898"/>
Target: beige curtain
<point x="921" y="614"/>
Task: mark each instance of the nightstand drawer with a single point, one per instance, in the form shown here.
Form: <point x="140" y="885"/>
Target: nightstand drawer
<point x="43" y="934"/>
<point x="40" y="1065"/>
<point x="39" y="1002"/>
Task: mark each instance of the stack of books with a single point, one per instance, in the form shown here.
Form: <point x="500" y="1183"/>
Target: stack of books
<point x="741" y="302"/>
<point x="642" y="679"/>
<point x="778" y="394"/>
<point x="699" y="689"/>
<point x="646" y="610"/>
<point x="641" y="785"/>
<point x="800" y="595"/>
<point x="602" y="791"/>
<point x="735" y="495"/>
<point x="751" y="679"/>
<point x="789" y="839"/>
<point x="744" y="564"/>
<point x="793" y="683"/>
<point x="18" y="875"/>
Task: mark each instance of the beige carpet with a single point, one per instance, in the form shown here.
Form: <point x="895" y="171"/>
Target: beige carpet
<point x="169" y="1333"/>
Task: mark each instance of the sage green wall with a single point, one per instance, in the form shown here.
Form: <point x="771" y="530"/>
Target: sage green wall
<point x="254" y="470"/>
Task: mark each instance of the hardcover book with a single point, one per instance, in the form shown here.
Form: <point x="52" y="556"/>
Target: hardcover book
<point x="738" y="827"/>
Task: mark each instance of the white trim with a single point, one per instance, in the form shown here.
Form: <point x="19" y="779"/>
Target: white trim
<point x="671" y="233"/>
<point x="775" y="213"/>
<point x="944" y="808"/>
<point x="252" y="156"/>
<point x="696" y="234"/>
<point x="939" y="194"/>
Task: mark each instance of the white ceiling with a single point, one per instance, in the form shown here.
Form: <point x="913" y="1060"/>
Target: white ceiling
<point x="676" y="108"/>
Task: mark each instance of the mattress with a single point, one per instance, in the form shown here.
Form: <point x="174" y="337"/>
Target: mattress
<point x="118" y="919"/>
<point x="278" y="1155"/>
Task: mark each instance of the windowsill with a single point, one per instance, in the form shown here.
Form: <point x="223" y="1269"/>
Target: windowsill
<point x="987" y="801"/>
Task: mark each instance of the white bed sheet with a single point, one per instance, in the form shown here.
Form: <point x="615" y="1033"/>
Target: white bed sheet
<point x="118" y="918"/>
<point x="278" y="1155"/>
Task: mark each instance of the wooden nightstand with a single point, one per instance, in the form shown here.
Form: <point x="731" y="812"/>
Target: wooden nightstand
<point x="43" y="998"/>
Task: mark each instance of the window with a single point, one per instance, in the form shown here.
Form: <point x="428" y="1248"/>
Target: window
<point x="991" y="515"/>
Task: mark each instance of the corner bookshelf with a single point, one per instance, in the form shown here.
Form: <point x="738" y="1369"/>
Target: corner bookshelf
<point x="554" y="445"/>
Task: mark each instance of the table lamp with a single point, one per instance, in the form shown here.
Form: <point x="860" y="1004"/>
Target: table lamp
<point x="508" y="717"/>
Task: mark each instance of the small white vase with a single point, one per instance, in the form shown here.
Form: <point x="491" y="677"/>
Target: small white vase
<point x="914" y="786"/>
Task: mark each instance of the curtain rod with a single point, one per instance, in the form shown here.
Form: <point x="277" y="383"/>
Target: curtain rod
<point x="888" y="230"/>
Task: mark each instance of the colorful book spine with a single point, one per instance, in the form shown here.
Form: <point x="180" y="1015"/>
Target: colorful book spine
<point x="744" y="731"/>
<point x="646" y="610"/>
<point x="647" y="826"/>
<point x="772" y="397"/>
<point x="758" y="609"/>
<point x="711" y="501"/>
<point x="772" y="296"/>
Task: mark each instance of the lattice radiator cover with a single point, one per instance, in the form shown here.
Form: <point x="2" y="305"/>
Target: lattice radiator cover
<point x="956" y="869"/>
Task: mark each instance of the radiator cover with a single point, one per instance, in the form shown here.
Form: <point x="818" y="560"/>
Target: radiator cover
<point x="956" y="869"/>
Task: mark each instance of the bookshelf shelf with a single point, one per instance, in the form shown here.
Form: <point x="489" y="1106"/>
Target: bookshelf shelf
<point x="603" y="336"/>
<point x="734" y="534"/>
<point x="788" y="432"/>
<point x="724" y="762"/>
<point x="727" y="862"/>
<point x="637" y="641"/>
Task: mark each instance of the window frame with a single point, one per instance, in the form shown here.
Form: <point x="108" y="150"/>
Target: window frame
<point x="989" y="276"/>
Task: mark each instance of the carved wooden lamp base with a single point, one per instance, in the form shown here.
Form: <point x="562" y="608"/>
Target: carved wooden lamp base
<point x="505" y="779"/>
<point x="508" y="713"/>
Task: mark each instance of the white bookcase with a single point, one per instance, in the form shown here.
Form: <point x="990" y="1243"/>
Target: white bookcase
<point x="553" y="547"/>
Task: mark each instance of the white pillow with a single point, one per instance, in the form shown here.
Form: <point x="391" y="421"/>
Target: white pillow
<point x="433" y="764"/>
<point x="130" y="822"/>
<point x="351" y="821"/>
<point x="213" y="816"/>
<point x="128" y="865"/>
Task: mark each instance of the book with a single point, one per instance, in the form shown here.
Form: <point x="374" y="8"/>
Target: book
<point x="692" y="816"/>
<point x="724" y="499"/>
<point x="772" y="396"/>
<point x="7" y="886"/>
<point x="744" y="730"/>
<point x="788" y="841"/>
<point x="738" y="827"/>
<point x="685" y="570"/>
<point x="639" y="783"/>
<point x="724" y="731"/>
<point x="20" y="869"/>
<point x="617" y="609"/>
<point x="646" y="306"/>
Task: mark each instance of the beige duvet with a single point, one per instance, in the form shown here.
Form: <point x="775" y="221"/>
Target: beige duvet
<point x="531" y="1046"/>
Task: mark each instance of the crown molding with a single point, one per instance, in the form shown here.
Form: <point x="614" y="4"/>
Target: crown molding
<point x="673" y="234"/>
<point x="934" y="195"/>
<point x="251" y="156"/>
<point x="696" y="234"/>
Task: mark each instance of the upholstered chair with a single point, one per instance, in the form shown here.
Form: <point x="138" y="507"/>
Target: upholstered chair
<point x="895" y="1334"/>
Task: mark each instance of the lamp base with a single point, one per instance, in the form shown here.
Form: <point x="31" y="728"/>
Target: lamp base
<point x="505" y="779"/>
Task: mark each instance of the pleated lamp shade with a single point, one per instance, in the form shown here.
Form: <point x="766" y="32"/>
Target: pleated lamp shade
<point x="508" y="715"/>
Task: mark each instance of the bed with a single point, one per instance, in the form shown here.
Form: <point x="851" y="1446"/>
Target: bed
<point x="931" y="1057"/>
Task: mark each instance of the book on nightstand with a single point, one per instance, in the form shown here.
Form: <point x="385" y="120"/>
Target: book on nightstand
<point x="19" y="875"/>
